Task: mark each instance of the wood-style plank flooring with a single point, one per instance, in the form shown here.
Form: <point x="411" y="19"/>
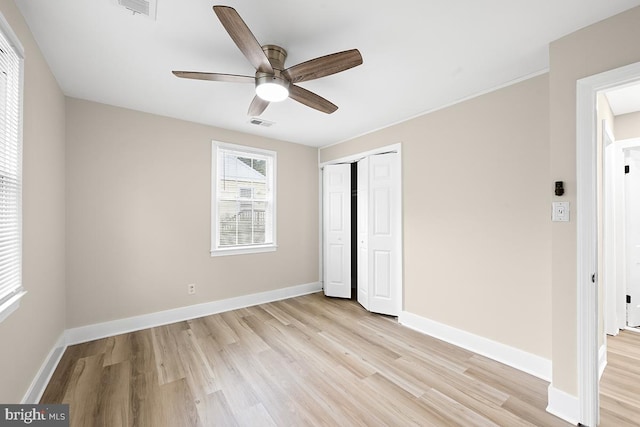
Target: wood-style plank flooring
<point x="620" y="383"/>
<point x="309" y="360"/>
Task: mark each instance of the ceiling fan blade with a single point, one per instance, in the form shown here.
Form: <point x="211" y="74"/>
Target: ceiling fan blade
<point x="257" y="107"/>
<point x="216" y="77"/>
<point x="243" y="38"/>
<point x="324" y="66"/>
<point x="310" y="99"/>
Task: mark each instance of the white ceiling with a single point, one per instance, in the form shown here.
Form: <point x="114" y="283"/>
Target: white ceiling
<point x="419" y="55"/>
<point x="625" y="99"/>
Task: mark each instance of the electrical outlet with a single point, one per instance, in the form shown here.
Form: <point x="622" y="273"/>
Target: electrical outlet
<point x="560" y="212"/>
<point x="191" y="289"/>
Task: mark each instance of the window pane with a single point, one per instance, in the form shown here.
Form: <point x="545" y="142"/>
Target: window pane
<point x="245" y="224"/>
<point x="259" y="216"/>
<point x="260" y="190"/>
<point x="228" y="213"/>
<point x="242" y="223"/>
<point x="261" y="166"/>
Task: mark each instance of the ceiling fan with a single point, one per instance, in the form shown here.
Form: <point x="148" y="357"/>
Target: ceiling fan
<point x="273" y="82"/>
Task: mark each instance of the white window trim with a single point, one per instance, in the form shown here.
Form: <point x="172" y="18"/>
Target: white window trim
<point x="12" y="303"/>
<point x="238" y="250"/>
<point x="12" y="38"/>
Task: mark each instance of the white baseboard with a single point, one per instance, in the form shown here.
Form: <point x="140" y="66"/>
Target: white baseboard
<point x="130" y="324"/>
<point x="519" y="359"/>
<point x="40" y="381"/>
<point x="602" y="360"/>
<point x="563" y="405"/>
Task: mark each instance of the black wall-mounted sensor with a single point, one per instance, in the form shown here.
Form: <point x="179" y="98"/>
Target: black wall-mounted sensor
<point x="559" y="188"/>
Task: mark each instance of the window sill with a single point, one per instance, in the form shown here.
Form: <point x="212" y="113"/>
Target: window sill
<point x="10" y="305"/>
<point x="243" y="251"/>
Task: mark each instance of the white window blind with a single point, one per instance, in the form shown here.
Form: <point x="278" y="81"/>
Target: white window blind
<point x="243" y="200"/>
<point x="10" y="173"/>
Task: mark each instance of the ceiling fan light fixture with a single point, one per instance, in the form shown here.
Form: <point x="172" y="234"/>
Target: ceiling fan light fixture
<point x="272" y="88"/>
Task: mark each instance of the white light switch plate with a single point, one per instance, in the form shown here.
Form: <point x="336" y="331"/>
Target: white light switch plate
<point x="560" y="212"/>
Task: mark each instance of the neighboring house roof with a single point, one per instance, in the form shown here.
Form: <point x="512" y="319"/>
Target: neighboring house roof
<point x="235" y="169"/>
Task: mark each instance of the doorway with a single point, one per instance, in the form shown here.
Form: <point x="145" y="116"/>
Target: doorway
<point x="361" y="229"/>
<point x="587" y="235"/>
<point x="621" y="234"/>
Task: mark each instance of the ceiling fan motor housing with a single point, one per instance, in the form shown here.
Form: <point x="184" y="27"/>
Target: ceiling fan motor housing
<point x="276" y="56"/>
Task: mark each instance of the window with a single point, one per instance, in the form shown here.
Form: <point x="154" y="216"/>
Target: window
<point x="243" y="200"/>
<point x="10" y="171"/>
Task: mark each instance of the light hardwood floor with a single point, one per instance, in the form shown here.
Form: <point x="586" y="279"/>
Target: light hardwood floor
<point x="620" y="383"/>
<point x="304" y="361"/>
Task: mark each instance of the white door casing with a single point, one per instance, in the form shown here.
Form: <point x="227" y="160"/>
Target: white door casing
<point x="337" y="230"/>
<point x="363" y="232"/>
<point x="632" y="202"/>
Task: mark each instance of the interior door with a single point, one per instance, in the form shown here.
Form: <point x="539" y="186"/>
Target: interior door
<point x="363" y="232"/>
<point x="609" y="236"/>
<point x="384" y="254"/>
<point x="632" y="202"/>
<point x="336" y="184"/>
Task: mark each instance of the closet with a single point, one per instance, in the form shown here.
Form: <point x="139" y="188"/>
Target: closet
<point x="370" y="227"/>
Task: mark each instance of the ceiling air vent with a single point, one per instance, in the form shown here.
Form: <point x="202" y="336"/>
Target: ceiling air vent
<point x="142" y="7"/>
<point x="259" y="122"/>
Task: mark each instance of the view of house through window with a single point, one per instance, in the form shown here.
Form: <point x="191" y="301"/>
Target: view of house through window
<point x="244" y="208"/>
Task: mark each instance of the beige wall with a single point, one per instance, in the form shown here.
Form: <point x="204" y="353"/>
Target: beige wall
<point x="627" y="126"/>
<point x="138" y="215"/>
<point x="606" y="45"/>
<point x="27" y="335"/>
<point x="476" y="214"/>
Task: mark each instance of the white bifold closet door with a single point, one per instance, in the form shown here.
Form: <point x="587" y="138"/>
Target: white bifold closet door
<point x="378" y="233"/>
<point x="363" y="232"/>
<point x="379" y="230"/>
<point x="336" y="185"/>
